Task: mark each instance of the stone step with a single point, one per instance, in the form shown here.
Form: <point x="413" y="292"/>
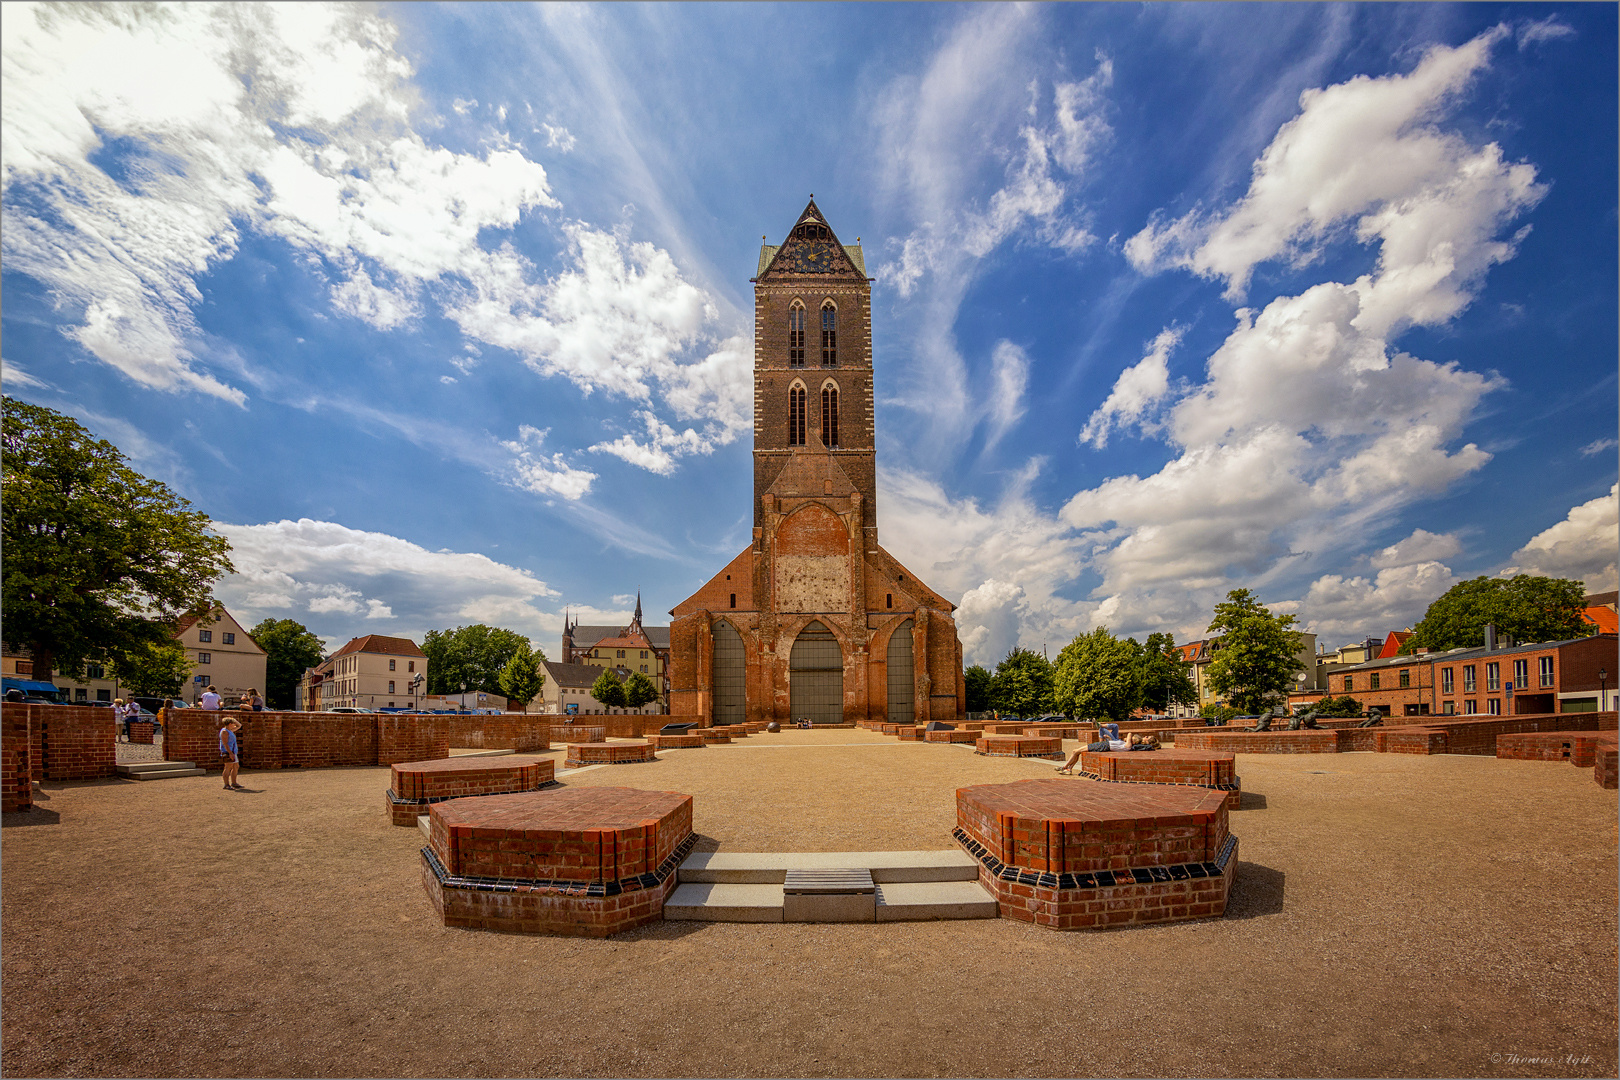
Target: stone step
<point x="902" y="901"/>
<point x="423" y="824"/>
<point x="724" y="902"/>
<point x="770" y="868"/>
<point x="160" y="770"/>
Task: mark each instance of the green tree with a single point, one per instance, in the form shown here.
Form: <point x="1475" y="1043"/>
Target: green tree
<point x="291" y="647"/>
<point x="521" y="678"/>
<point x="1098" y="675"/>
<point x="1162" y="673"/>
<point x="608" y="690"/>
<point x="1213" y="711"/>
<point x="153" y="670"/>
<point x="97" y="558"/>
<point x="1022" y="684"/>
<point x="471" y="657"/>
<point x="639" y="690"/>
<point x="1338" y="706"/>
<point x="1257" y="655"/>
<point x="1524" y="607"/>
<point x="977" y="681"/>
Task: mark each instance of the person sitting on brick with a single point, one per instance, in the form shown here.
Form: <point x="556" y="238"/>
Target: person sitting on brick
<point x="1107" y="739"/>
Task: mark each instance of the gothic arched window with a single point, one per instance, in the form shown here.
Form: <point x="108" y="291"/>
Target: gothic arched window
<point x="796" y="335"/>
<point x="795" y="415"/>
<point x="829" y="415"/>
<point x="829" y="335"/>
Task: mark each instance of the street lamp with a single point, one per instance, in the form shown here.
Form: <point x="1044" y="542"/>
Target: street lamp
<point x="1603" y="682"/>
<point x="416" y="690"/>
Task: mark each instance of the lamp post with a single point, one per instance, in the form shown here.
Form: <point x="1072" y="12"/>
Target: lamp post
<point x="1603" y="683"/>
<point x="416" y="690"/>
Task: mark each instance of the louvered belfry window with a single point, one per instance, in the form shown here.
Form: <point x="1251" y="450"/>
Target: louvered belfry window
<point x="796" y="335"/>
<point x="829" y="335"/>
<point x="829" y="416"/>
<point x="795" y="416"/>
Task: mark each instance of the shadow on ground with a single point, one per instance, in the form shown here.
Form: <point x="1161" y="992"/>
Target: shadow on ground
<point x="37" y="816"/>
<point x="1258" y="890"/>
<point x="1248" y="800"/>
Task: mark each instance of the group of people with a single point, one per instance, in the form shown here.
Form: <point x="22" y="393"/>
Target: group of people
<point x="1109" y="739"/>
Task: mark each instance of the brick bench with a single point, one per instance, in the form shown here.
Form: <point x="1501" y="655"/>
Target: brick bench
<point x="572" y="733"/>
<point x="577" y="861"/>
<point x="736" y="731"/>
<point x="609" y="753"/>
<point x="416" y="785"/>
<point x="1071" y="856"/>
<point x="141" y="732"/>
<point x="1019" y="746"/>
<point x="715" y="735"/>
<point x="1576" y="747"/>
<point x="956" y="736"/>
<point x="1208" y="769"/>
<point x="1258" y="742"/>
<point x="688" y="740"/>
<point x="911" y="732"/>
<point x="1057" y="731"/>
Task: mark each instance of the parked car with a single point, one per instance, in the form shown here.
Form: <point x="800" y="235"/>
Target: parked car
<point x="349" y="709"/>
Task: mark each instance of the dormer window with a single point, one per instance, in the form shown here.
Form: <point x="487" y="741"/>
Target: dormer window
<point x="829" y="335"/>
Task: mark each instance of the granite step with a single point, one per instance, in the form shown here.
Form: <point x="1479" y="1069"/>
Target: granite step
<point x="160" y="770"/>
<point x="770" y="868"/>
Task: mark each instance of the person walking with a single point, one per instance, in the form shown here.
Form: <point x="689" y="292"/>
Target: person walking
<point x="230" y="753"/>
<point x="120" y="717"/>
<point x="209" y="699"/>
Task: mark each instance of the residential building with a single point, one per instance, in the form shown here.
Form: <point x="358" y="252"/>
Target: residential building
<point x="567" y="690"/>
<point x="1199" y="654"/>
<point x="814" y="618"/>
<point x="371" y="672"/>
<point x="632" y="648"/>
<point x="1601" y="612"/>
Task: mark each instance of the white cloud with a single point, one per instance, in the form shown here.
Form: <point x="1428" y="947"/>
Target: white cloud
<point x="343" y="582"/>
<point x="11" y="375"/>
<point x="1009" y="378"/>
<point x="533" y="471"/>
<point x="1339" y="609"/>
<point x="1597" y="446"/>
<point x="558" y="138"/>
<point x="1581" y="546"/>
<point x="1138" y="388"/>
<point x="1549" y="29"/>
<point x="1422" y="546"/>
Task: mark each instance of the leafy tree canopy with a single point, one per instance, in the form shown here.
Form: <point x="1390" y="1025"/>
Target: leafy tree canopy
<point x="1338" y="706"/>
<point x="1022" y="684"/>
<point x="639" y="690"/>
<point x="1162" y="673"/>
<point x="1257" y="656"/>
<point x="1098" y="675"/>
<point x="609" y="690"/>
<point x="521" y="679"/>
<point x="97" y="558"/>
<point x="153" y="670"/>
<point x="471" y="657"/>
<point x="292" y="647"/>
<point x="976" y="679"/>
<point x="1524" y="607"/>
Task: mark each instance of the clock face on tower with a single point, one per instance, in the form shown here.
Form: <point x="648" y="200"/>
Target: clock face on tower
<point x="811" y="257"/>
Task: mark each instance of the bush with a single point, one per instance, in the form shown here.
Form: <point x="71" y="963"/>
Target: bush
<point x="1219" y="713"/>
<point x="1338" y="706"/>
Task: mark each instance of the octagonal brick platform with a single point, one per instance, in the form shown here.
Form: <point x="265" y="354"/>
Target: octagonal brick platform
<point x="577" y="733"/>
<point x="1071" y="856"/>
<point x="610" y="753"/>
<point x="1019" y="746"/>
<point x="417" y="785"/>
<point x="1209" y="769"/>
<point x="586" y="862"/>
<point x="956" y="735"/>
<point x="691" y="740"/>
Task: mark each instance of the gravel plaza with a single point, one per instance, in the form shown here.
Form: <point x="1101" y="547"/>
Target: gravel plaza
<point x="1392" y="915"/>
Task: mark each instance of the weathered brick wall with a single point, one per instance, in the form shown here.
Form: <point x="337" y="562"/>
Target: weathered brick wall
<point x="454" y="778"/>
<point x="410" y="737"/>
<point x="614" y="753"/>
<point x="324" y="740"/>
<point x="140" y="732"/>
<point x="1575" y="747"/>
<point x="281" y="740"/>
<point x="1606" y="767"/>
<point x="1258" y="742"/>
<point x="71" y="742"/>
<point x="16" y="778"/>
<point x="1477" y="735"/>
<point x="509" y="731"/>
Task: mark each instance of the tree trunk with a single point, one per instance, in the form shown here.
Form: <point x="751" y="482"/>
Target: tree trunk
<point x="43" y="659"/>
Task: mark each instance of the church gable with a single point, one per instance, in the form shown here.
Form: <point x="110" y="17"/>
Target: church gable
<point x="736" y="580"/>
<point x="811" y="472"/>
<point x="811" y="248"/>
<point x="886" y="575"/>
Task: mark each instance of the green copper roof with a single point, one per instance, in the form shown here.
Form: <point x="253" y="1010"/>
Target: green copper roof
<point x="768" y="251"/>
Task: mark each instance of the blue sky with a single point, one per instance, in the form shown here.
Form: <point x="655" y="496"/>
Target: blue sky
<point x="443" y="312"/>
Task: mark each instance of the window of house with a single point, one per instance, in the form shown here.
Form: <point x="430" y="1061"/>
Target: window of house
<point x="1546" y="671"/>
<point x="829" y="416"/>
<point x="1468" y="678"/>
<point x="1445" y="680"/>
<point x="1521" y="674"/>
<point x="81" y="693"/>
<point x="410" y="665"/>
<point x="1493" y="677"/>
<point x="103" y="695"/>
<point x="829" y="335"/>
<point x="390" y="687"/>
<point x="644" y="656"/>
<point x="205" y="635"/>
<point x="25" y="667"/>
<point x="1451" y="708"/>
<point x="1406" y="678"/>
<point x="1349" y="683"/>
<point x="1470" y="707"/>
<point x="390" y="665"/>
<point x="733" y="599"/>
<point x="796" y="335"/>
<point x="643" y="669"/>
<point x="205" y="658"/>
<point x="795" y="416"/>
<point x="95" y="671"/>
<point x="227" y="639"/>
<point x="1494" y="706"/>
<point x="1373" y="680"/>
<point x="620" y="656"/>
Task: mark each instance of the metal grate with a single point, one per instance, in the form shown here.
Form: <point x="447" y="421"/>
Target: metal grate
<point x="729" y="675"/>
<point x="816" y="676"/>
<point x="902" y="681"/>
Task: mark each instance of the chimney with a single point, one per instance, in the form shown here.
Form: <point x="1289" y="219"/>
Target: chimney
<point x="1421" y="650"/>
<point x="1490" y="637"/>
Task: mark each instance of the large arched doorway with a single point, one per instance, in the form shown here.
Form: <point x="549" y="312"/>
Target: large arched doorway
<point x="902" y="680"/>
<point x="729" y="675"/>
<point x="816" y="676"/>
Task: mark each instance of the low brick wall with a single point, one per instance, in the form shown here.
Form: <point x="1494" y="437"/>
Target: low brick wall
<point x="509" y="731"/>
<point x="1228" y="741"/>
<point x="578" y="733"/>
<point x="1606" y="766"/>
<point x="294" y="740"/>
<point x="70" y="742"/>
<point x="958" y="735"/>
<point x="909" y="732"/>
<point x="609" y="753"/>
<point x="1198" y="768"/>
<point x="1018" y="746"/>
<point x="1477" y="735"/>
<point x="416" y="785"/>
<point x="691" y="741"/>
<point x="714" y="735"/>
<point x="16" y="778"/>
<point x="1575" y="747"/>
<point x="141" y="732"/>
<point x="735" y="731"/>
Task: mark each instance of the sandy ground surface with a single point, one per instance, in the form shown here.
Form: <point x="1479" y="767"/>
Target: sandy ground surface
<point x="1393" y="915"/>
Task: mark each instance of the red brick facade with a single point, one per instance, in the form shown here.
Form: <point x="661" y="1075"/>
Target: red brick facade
<point x="815" y="566"/>
<point x="509" y="731"/>
<point x="292" y="740"/>
<point x="609" y="753"/>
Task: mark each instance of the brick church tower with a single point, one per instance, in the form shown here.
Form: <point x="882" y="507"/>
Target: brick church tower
<point x="815" y="619"/>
